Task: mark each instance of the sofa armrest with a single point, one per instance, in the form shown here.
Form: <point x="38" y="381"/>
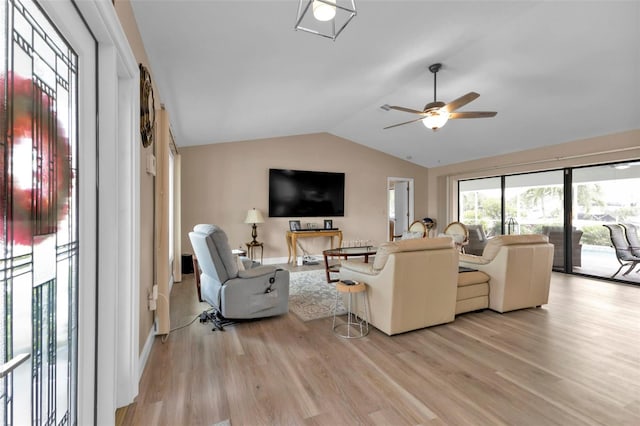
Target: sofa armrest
<point x="470" y="259"/>
<point x="361" y="267"/>
<point x="257" y="271"/>
<point x="257" y="296"/>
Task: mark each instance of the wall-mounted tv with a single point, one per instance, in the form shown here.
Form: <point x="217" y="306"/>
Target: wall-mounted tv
<point x="299" y="193"/>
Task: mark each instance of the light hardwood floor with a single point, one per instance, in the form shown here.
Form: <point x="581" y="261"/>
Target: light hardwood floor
<point x="575" y="361"/>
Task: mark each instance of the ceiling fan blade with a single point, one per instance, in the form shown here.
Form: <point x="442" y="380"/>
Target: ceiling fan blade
<point x="412" y="111"/>
<point x="472" y="114"/>
<point x="402" y="124"/>
<point x="461" y="101"/>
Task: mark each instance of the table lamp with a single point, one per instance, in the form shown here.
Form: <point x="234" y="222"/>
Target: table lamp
<point x="253" y="217"/>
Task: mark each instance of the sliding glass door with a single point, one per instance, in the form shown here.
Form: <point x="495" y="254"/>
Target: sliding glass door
<point x="590" y="214"/>
<point x="480" y="202"/>
<point x="606" y="199"/>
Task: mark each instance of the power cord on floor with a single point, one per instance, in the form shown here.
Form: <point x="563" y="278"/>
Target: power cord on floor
<point x="165" y="337"/>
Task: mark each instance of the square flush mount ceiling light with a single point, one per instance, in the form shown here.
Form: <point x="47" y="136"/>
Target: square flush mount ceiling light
<point x="326" y="18"/>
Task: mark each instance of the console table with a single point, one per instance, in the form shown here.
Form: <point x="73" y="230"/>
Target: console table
<point x="292" y="238"/>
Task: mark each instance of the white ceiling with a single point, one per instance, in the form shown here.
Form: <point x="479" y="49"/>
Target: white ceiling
<point x="555" y="71"/>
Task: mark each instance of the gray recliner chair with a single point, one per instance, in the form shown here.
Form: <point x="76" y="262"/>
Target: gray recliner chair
<point x="233" y="291"/>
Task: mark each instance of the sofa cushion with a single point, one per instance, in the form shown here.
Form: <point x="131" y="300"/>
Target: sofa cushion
<point x="474" y="277"/>
<point x="471" y="291"/>
<point x="408" y="235"/>
<point x="356" y="266"/>
<point x="383" y="252"/>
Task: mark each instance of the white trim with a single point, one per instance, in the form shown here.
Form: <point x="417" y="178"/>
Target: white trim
<point x="66" y="19"/>
<point x="118" y="162"/>
<point x="411" y="200"/>
<point x="275" y="260"/>
<point x="118" y="227"/>
<point x="146" y="351"/>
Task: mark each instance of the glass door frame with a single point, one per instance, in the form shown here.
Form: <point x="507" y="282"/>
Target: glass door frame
<point x="567" y="212"/>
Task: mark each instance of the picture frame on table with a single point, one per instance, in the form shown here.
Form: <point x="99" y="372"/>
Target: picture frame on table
<point x="294" y="225"/>
<point x="328" y="224"/>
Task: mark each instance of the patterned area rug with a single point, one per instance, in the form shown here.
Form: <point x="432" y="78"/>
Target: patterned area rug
<point x="311" y="297"/>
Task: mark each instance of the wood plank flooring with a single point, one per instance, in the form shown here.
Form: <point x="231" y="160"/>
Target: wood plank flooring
<point x="575" y="361"/>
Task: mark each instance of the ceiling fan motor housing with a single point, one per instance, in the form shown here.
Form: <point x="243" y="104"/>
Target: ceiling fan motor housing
<point x="433" y="105"/>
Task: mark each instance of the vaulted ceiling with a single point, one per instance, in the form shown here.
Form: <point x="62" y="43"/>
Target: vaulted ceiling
<point x="556" y="71"/>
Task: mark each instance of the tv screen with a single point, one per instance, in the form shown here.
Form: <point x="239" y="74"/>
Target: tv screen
<point x="298" y="193"/>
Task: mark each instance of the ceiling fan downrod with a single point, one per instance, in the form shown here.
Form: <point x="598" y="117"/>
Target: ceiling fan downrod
<point x="434" y="68"/>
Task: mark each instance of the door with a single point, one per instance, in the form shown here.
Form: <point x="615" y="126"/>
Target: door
<point x="40" y="215"/>
<point x="400" y="205"/>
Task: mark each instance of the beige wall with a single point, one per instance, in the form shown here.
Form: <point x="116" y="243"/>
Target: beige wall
<point x="442" y="187"/>
<point x="220" y="182"/>
<point x="125" y="15"/>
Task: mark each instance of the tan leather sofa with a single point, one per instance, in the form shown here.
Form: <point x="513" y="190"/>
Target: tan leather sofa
<point x="410" y="285"/>
<point x="519" y="267"/>
<point x="473" y="291"/>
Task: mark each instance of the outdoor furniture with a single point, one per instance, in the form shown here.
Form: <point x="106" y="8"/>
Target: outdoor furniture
<point x="623" y="249"/>
<point x="556" y="237"/>
<point x="631" y="231"/>
<point x="477" y="240"/>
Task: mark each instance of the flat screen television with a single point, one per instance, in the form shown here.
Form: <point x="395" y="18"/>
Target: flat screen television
<point x="300" y="193"/>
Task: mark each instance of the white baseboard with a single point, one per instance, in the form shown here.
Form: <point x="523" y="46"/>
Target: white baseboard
<point x="274" y="260"/>
<point x="283" y="260"/>
<point x="146" y="351"/>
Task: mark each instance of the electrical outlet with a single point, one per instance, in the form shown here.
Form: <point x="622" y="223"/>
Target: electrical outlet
<point x="151" y="301"/>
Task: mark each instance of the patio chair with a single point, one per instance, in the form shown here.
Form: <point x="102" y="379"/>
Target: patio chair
<point x="620" y="243"/>
<point x="632" y="238"/>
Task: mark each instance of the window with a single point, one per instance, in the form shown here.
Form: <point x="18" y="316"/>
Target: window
<point x="534" y="203"/>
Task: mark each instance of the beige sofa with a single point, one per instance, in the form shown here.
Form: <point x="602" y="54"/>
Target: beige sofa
<point x="473" y="291"/>
<point x="519" y="267"/>
<point x="410" y="285"/>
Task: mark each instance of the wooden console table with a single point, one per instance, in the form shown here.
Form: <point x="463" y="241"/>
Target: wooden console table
<point x="292" y="238"/>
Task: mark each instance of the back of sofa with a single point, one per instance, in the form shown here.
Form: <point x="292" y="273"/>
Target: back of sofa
<point x="416" y="287"/>
<point x="519" y="267"/>
<point x="420" y="244"/>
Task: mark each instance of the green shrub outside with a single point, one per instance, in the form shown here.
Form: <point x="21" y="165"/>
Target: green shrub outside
<point x="596" y="235"/>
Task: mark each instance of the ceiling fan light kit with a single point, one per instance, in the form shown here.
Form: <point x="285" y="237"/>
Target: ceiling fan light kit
<point x="436" y="114"/>
<point x="325" y="18"/>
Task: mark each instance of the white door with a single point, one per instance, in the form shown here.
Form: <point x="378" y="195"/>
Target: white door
<point x="48" y="137"/>
<point x="400" y="205"/>
<point x="401" y="191"/>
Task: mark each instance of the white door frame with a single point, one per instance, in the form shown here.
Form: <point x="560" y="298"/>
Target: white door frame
<point x="390" y="180"/>
<point x="112" y="300"/>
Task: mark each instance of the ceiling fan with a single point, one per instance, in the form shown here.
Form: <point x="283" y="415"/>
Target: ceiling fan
<point x="435" y="114"/>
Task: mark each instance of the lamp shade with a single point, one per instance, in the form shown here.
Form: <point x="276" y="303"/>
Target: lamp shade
<point x="323" y="11"/>
<point x="254" y="216"/>
<point x="436" y="119"/>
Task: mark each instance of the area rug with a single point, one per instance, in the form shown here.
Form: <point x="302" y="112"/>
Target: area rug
<point x="311" y="297"/>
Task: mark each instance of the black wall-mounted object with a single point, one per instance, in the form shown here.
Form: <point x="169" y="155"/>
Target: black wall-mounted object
<point x="300" y="193"/>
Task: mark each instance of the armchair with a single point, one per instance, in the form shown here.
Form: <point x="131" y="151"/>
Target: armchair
<point x="477" y="240"/>
<point x="556" y="237"/>
<point x="411" y="284"/>
<point x="519" y="269"/>
<point x="233" y="291"/>
<point x="460" y="234"/>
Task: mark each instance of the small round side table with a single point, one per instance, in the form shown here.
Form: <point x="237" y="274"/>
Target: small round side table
<point x="356" y="326"/>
